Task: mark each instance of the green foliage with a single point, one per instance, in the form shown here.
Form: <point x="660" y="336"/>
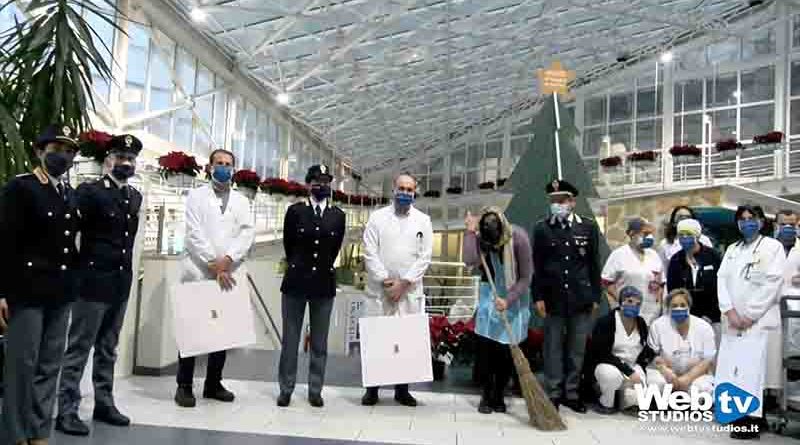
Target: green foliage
<point x="46" y="66"/>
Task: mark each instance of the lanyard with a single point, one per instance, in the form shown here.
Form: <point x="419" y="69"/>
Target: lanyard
<point x="752" y="262"/>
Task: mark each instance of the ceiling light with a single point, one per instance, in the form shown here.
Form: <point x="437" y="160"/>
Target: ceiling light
<point x="666" y="57"/>
<point x="282" y="98"/>
<point x="198" y="15"/>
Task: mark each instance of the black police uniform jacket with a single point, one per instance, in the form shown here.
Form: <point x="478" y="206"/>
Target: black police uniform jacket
<point x="567" y="265"/>
<point x="109" y="220"/>
<point x="38" y="227"/>
<point x="311" y="244"/>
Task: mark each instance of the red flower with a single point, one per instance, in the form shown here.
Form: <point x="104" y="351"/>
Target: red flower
<point x="275" y="186"/>
<point x="178" y="162"/>
<point x="613" y="161"/>
<point x="94" y="144"/>
<point x="340" y="196"/>
<point x="246" y="178"/>
<point x="99" y="137"/>
<point x="642" y="156"/>
<point x="773" y="137"/>
<point x="685" y="150"/>
<point x="728" y="145"/>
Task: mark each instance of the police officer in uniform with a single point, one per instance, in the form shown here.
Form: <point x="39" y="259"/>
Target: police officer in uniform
<point x="38" y="223"/>
<point x="313" y="232"/>
<point x="566" y="290"/>
<point x="109" y="219"/>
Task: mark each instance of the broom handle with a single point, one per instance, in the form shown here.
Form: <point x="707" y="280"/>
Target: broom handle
<point x="503" y="316"/>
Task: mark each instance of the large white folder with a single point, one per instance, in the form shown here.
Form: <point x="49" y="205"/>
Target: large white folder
<point x="207" y="319"/>
<point x="742" y="362"/>
<point x="395" y="349"/>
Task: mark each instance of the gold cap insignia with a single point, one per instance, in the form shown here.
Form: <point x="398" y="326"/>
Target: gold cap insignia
<point x="66" y="131"/>
<point x="555" y="186"/>
<point x="323" y="169"/>
<point x="128" y="141"/>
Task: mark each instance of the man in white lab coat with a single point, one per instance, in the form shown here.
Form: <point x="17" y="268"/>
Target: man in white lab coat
<point x="219" y="233"/>
<point x="398" y="245"/>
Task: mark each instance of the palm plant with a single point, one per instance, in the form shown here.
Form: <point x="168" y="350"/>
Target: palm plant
<point x="46" y="66"/>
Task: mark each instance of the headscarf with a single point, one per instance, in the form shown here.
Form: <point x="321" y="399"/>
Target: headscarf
<point x="690" y="226"/>
<point x="506" y="243"/>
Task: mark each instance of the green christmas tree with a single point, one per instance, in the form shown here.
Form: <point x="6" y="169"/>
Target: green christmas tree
<point x="538" y="166"/>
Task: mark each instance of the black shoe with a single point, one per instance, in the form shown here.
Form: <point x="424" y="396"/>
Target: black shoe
<point x="111" y="416"/>
<point x="370" y="397"/>
<point x="184" y="397"/>
<point x="284" y="400"/>
<point x="604" y="410"/>
<point x="218" y="392"/>
<point x="71" y="424"/>
<point x="556" y="403"/>
<point x="405" y="398"/>
<point x="575" y="405"/>
<point x="316" y="401"/>
<point x="483" y="406"/>
<point x="498" y="404"/>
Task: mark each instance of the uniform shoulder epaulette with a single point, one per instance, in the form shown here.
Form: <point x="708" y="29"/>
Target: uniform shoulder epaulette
<point x="587" y="218"/>
<point x="23" y="175"/>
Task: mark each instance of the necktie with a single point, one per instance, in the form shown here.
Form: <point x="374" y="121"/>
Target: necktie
<point x="60" y="189"/>
<point x="318" y="211"/>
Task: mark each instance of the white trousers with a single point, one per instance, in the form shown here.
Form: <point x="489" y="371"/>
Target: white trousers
<point x="704" y="383"/>
<point x="610" y="380"/>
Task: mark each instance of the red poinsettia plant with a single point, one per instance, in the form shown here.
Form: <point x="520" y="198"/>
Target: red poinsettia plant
<point x="613" y="161"/>
<point x="247" y="178"/>
<point x="728" y="145"/>
<point x="339" y="196"/>
<point x="642" y="156"/>
<point x="297" y="189"/>
<point x="275" y="186"/>
<point x="94" y="144"/>
<point x="685" y="150"/>
<point x="178" y="162"/>
<point x="488" y="185"/>
<point x="773" y="137"/>
<point x="447" y="337"/>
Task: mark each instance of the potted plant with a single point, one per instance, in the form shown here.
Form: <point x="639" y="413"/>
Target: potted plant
<point x="432" y="194"/>
<point x="488" y="185"/>
<point x="501" y="182"/>
<point x="247" y="182"/>
<point x="45" y="67"/>
<point x="643" y="156"/>
<point x="93" y="147"/>
<point x="611" y="162"/>
<point x="297" y="190"/>
<point x="340" y="197"/>
<point x="178" y="168"/>
<point x="454" y="190"/>
<point x="773" y="137"/>
<point x="275" y="186"/>
<point x="728" y="147"/>
<point x="446" y="342"/>
<point x="679" y="151"/>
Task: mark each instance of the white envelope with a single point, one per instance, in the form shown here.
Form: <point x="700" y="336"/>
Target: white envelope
<point x="206" y="319"/>
<point x="395" y="350"/>
<point x="736" y="359"/>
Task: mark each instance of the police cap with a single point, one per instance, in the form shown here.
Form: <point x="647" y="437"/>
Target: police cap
<point x="561" y="187"/>
<point x="57" y="133"/>
<point x="125" y="143"/>
<point x="318" y="172"/>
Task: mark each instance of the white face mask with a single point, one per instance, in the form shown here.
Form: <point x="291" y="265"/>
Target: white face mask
<point x="560" y="211"/>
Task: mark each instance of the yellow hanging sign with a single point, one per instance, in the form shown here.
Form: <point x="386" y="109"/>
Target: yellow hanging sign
<point x="555" y="79"/>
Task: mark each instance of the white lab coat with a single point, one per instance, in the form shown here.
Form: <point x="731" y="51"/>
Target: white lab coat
<point x="397" y="247"/>
<point x="755" y="297"/>
<point x="211" y="234"/>
<point x="789" y="288"/>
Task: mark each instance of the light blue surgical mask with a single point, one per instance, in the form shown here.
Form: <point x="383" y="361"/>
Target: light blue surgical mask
<point x="560" y="211"/>
<point x="222" y="173"/>
<point x="679" y="315"/>
<point x="786" y="234"/>
<point x="749" y="228"/>
<point x="687" y="243"/>
<point x="647" y="242"/>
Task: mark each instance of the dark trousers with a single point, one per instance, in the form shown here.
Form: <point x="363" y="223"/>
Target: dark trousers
<point x="216" y="361"/>
<point x="293" y="309"/>
<point x="495" y="366"/>
<point x="35" y="341"/>
<point x="564" y="349"/>
<point x="94" y="324"/>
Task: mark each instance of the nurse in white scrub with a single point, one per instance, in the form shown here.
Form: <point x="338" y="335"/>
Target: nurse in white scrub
<point x="685" y="347"/>
<point x="749" y="282"/>
<point x="636" y="264"/>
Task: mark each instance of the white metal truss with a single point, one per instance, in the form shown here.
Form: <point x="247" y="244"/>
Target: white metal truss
<point x="383" y="80"/>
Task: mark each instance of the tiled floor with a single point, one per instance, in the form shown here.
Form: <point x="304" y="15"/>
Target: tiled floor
<point x="441" y="419"/>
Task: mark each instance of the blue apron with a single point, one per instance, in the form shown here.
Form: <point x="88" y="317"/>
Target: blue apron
<point x="488" y="322"/>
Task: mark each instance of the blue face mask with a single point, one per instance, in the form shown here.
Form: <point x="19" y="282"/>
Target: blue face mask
<point x="560" y="211"/>
<point x="679" y="315"/>
<point x="630" y="310"/>
<point x="222" y="173"/>
<point x="647" y="242"/>
<point x="787" y="235"/>
<point x="749" y="228"/>
<point x="687" y="242"/>
<point x="403" y="199"/>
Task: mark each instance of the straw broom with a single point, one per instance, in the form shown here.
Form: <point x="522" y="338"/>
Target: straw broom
<point x="541" y="412"/>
